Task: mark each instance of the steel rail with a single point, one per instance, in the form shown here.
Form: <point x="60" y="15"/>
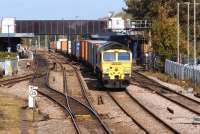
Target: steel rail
<point x="154" y="115"/>
<point x="135" y="121"/>
<point x="161" y="89"/>
<point x="83" y="90"/>
<point x="67" y="101"/>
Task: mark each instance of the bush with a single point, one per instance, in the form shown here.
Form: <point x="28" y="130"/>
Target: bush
<point x="6" y="55"/>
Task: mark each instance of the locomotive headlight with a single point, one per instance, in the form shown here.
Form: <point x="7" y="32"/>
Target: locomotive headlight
<point x="127" y="70"/>
<point x="106" y="70"/>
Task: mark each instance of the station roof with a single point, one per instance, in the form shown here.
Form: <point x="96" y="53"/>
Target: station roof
<point x="17" y="35"/>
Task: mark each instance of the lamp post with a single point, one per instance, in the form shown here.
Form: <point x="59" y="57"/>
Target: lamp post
<point x="178" y="33"/>
<point x="9" y="47"/>
<point x="188" y="31"/>
<point x="195" y="56"/>
<point x="110" y="14"/>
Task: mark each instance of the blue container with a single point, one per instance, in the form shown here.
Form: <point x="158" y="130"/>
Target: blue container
<point x="77" y="49"/>
<point x="135" y="52"/>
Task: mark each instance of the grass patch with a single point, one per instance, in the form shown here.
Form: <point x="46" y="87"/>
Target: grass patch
<point x="10" y="115"/>
<point x="6" y="55"/>
<point x="169" y="79"/>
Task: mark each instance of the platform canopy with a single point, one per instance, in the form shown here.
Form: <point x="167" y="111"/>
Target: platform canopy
<point x="17" y="35"/>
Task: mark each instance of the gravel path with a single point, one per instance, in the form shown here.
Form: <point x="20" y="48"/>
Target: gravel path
<point x="180" y="118"/>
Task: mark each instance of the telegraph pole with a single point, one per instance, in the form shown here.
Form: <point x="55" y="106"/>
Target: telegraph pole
<point x="195" y="55"/>
<point x="178" y="33"/>
<point x="188" y="32"/>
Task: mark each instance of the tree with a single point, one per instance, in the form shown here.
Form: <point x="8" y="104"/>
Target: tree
<point x="164" y="34"/>
<point x="162" y="13"/>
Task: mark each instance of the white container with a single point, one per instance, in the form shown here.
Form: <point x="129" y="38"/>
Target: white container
<point x="8" y="68"/>
<point x="69" y="47"/>
<point x="58" y="45"/>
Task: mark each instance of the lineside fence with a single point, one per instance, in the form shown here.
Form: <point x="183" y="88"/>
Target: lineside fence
<point x="8" y="67"/>
<point x="183" y="72"/>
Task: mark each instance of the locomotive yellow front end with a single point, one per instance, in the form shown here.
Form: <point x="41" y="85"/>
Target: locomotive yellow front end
<point x="116" y="68"/>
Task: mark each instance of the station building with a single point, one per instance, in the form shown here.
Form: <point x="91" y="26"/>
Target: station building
<point x="40" y="33"/>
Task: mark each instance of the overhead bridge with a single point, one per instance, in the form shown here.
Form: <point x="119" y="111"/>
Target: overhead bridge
<point x="61" y="27"/>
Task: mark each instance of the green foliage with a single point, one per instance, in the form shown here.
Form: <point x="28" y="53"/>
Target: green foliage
<point x="164" y="24"/>
<point x="148" y="9"/>
<point x="164" y="34"/>
<point x="6" y="55"/>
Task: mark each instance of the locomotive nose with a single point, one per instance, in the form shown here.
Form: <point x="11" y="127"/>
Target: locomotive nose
<point x="116" y="77"/>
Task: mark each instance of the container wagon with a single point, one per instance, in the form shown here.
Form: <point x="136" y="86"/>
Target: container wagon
<point x="111" y="61"/>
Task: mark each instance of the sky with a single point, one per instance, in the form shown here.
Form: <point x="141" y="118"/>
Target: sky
<point x="59" y="9"/>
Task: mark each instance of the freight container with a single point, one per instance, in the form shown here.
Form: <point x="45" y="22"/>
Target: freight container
<point x="77" y="49"/>
<point x="52" y="45"/>
<point x="95" y="48"/>
<point x="86" y="51"/>
<point x="58" y="45"/>
<point x="63" y="45"/>
<point x="69" y="47"/>
<point x="82" y="49"/>
<point x="92" y="52"/>
<point x="73" y="53"/>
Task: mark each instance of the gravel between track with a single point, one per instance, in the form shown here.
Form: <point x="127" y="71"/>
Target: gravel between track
<point x="176" y="88"/>
<point x="116" y="119"/>
<point x="181" y="119"/>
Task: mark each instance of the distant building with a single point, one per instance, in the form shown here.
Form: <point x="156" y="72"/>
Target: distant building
<point x="116" y="23"/>
<point x="8" y="25"/>
<point x="128" y="26"/>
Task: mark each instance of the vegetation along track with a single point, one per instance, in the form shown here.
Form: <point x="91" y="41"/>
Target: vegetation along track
<point x="178" y="98"/>
<point x="145" y="119"/>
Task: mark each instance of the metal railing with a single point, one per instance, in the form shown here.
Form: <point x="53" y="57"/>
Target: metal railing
<point x="183" y="72"/>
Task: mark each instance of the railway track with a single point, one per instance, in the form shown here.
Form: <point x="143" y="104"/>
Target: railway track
<point x="54" y="95"/>
<point x="84" y="93"/>
<point x="175" y="97"/>
<point x="83" y="89"/>
<point x="140" y="115"/>
<point x="16" y="79"/>
<point x="21" y="78"/>
<point x="70" y="110"/>
<point x="72" y="106"/>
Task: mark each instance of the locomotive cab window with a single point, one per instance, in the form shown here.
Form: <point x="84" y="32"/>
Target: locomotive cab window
<point x="109" y="56"/>
<point x="123" y="56"/>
